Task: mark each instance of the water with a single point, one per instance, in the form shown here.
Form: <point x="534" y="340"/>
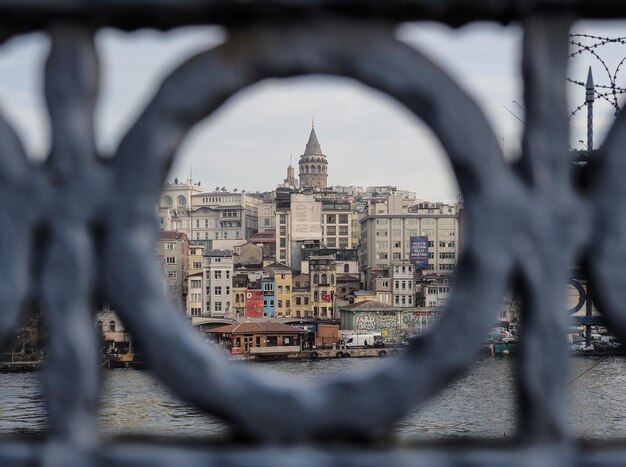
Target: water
<point x="480" y="404"/>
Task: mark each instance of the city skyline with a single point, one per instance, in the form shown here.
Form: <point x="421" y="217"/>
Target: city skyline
<point x="368" y="138"/>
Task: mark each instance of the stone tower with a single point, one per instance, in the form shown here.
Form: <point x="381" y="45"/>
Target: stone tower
<point x="313" y="165"/>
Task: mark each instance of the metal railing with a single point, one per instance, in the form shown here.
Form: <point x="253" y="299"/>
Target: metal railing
<point x="90" y="241"/>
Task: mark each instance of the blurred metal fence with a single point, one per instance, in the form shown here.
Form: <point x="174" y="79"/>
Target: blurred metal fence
<point x="88" y="228"/>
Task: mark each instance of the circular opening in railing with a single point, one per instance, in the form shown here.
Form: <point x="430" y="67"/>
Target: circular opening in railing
<point x="400" y="233"/>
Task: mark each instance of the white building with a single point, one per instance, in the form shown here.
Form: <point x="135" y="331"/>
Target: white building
<point x="402" y="278"/>
<point x="218" y="275"/>
<point x="207" y="216"/>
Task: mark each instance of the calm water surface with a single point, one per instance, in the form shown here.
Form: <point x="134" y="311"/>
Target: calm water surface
<point x="479" y="404"/>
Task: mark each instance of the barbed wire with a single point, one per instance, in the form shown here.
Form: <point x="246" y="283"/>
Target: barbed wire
<point x="589" y="44"/>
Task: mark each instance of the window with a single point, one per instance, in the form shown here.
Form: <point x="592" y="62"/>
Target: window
<point x="196" y="265"/>
<point x="324" y="279"/>
<point x="227" y="290"/>
<point x="280" y="288"/>
<point x="282" y="231"/>
<point x="343" y="243"/>
<point x="227" y="274"/>
<point x="171" y="274"/>
<point x="287" y="289"/>
<point x="182" y="201"/>
<point x="218" y="290"/>
<point x="283" y="242"/>
<point x="343" y="230"/>
<point x="298" y="301"/>
<point x="346" y="268"/>
<point x="283" y="254"/>
<point x="397" y="232"/>
<point x="343" y="219"/>
<point x="218" y="306"/>
<point x="306" y="300"/>
<point x="315" y="279"/>
<point x="111" y="326"/>
<point x="331" y="219"/>
<point x="331" y="230"/>
<point x="217" y="274"/>
<point x="170" y="260"/>
<point x="170" y="246"/>
<point x="288" y="303"/>
<point x="280" y="303"/>
<point x="331" y="243"/>
<point x="282" y="218"/>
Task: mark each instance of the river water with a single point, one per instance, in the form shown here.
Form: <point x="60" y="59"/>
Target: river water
<point x="479" y="404"/>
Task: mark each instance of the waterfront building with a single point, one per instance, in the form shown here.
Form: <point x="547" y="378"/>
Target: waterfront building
<point x="269" y="297"/>
<point x="283" y="293"/>
<point x="301" y="297"/>
<point x="313" y="165"/>
<point x="240" y="292"/>
<point x="115" y="338"/>
<point x="195" y="295"/>
<point x="395" y="324"/>
<point x="172" y="251"/>
<point x="195" y="281"/>
<point x="258" y="338"/>
<point x="218" y="270"/>
<point x="387" y="231"/>
<point x="322" y="270"/>
<point x="254" y="301"/>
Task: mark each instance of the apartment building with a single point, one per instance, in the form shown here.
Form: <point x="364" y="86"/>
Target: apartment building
<point x="387" y="233"/>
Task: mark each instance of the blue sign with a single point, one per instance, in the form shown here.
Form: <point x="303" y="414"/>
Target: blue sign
<point x="418" y="252"/>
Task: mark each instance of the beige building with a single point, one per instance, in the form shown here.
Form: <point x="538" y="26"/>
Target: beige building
<point x="298" y="220"/>
<point x="322" y="270"/>
<point x="386" y="236"/>
<point x="283" y="292"/>
<point x="301" y="296"/>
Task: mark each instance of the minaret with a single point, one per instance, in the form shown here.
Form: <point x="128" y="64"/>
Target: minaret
<point x="589" y="98"/>
<point x="291" y="180"/>
<point x="313" y="164"/>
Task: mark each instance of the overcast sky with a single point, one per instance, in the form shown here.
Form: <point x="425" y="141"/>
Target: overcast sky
<point x="368" y="138"/>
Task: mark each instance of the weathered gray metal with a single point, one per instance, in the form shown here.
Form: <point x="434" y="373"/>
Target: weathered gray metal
<point x="92" y="223"/>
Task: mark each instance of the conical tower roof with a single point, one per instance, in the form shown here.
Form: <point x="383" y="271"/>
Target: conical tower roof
<point x="313" y="146"/>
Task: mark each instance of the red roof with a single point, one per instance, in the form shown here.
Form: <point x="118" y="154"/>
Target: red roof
<point x="255" y="328"/>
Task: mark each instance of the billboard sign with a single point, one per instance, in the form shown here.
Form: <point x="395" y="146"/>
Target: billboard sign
<point x="254" y="304"/>
<point x="418" y="252"/>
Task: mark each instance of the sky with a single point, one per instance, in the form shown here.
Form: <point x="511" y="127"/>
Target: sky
<point x="368" y="138"/>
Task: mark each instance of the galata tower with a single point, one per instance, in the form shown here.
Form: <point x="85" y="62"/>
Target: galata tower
<point x="313" y="165"/>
